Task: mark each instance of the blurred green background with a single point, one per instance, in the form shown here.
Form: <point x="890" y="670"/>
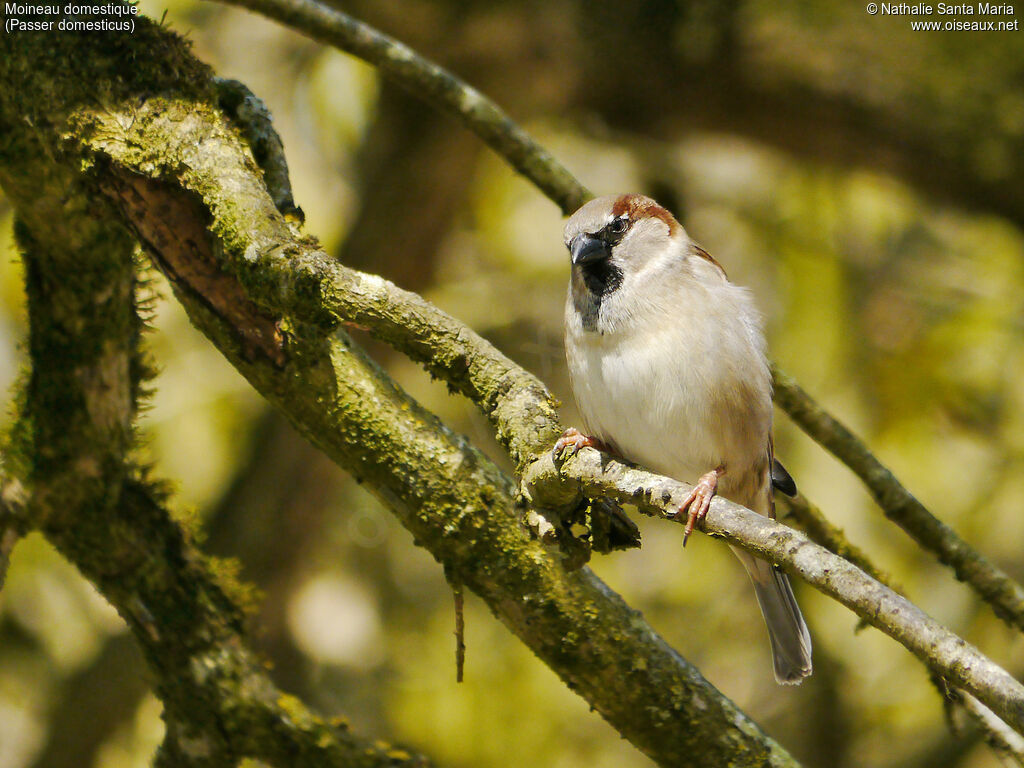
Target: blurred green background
<point x="863" y="179"/>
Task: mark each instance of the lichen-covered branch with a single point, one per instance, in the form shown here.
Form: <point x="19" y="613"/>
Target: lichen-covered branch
<point x="250" y="115"/>
<point x="993" y="584"/>
<point x="941" y="650"/>
<point x="214" y="689"/>
<point x="429" y="81"/>
<point x="822" y="532"/>
<point x="219" y="702"/>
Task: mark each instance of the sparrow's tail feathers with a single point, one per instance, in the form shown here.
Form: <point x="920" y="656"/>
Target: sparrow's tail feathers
<point x="790" y="639"/>
<point x="791" y="642"/>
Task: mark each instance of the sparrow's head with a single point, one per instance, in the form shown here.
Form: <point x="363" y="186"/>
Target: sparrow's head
<point x="628" y="256"/>
<point x="624" y="226"/>
<point x="616" y="236"/>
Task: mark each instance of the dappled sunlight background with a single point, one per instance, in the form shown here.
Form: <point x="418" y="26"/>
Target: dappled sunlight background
<point x="902" y="315"/>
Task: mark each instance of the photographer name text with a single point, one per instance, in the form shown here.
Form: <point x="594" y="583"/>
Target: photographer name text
<point x="944" y="9"/>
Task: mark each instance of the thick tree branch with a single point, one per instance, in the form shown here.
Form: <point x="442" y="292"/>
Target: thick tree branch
<point x="994" y="585"/>
<point x="215" y="691"/>
<point x="76" y="425"/>
<point x="220" y="703"/>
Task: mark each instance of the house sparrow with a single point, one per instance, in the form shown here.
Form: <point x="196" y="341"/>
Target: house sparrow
<point x="667" y="363"/>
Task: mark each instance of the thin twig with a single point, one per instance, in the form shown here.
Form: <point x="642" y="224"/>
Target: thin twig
<point x="1003" y="739"/>
<point x="458" y="596"/>
<point x="460" y="631"/>
<point x="435" y="85"/>
<point x="994" y="585"/>
<point x="820" y="530"/>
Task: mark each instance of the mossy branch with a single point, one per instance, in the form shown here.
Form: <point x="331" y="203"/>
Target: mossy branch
<point x="440" y="88"/>
<point x="74" y="432"/>
<point x="219" y="702"/>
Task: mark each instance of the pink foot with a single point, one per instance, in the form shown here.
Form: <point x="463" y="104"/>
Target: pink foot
<point x="698" y="502"/>
<point x="575" y="440"/>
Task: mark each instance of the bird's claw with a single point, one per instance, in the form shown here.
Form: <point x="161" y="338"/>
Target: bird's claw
<point x="697" y="504"/>
<point x="574" y="440"/>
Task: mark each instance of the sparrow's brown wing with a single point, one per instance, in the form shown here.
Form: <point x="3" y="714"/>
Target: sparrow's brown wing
<point x="705" y="255"/>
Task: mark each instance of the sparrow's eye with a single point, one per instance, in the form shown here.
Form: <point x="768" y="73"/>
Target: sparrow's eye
<point x="619" y="225"/>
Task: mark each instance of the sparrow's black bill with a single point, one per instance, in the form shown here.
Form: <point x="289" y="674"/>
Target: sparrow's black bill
<point x="587" y="248"/>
